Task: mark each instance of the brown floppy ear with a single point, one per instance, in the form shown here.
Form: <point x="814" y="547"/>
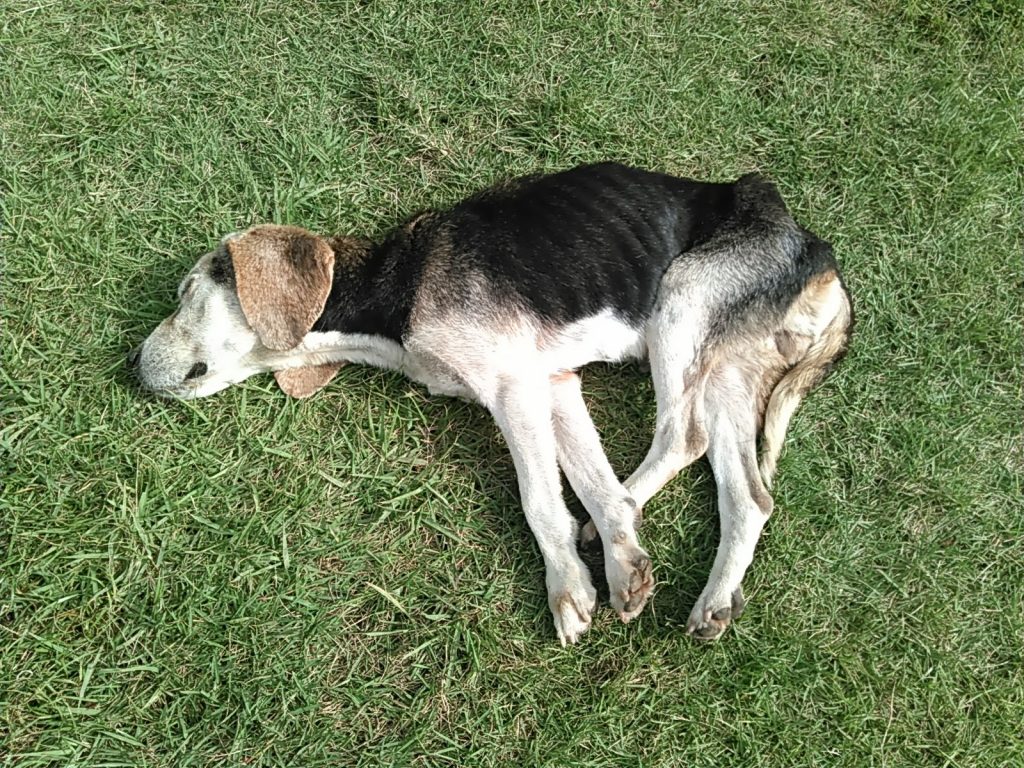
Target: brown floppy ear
<point x="303" y="382"/>
<point x="283" y="277"/>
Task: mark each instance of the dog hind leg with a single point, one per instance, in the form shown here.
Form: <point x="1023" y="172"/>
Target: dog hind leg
<point x="676" y="336"/>
<point x="744" y="504"/>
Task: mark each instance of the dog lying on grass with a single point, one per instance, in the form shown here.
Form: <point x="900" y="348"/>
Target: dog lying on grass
<point x="501" y="298"/>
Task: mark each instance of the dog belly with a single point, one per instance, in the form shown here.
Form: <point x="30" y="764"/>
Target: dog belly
<point x="600" y="338"/>
<point x="464" y="358"/>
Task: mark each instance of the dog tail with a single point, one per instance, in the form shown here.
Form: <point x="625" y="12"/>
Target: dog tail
<point x="826" y="303"/>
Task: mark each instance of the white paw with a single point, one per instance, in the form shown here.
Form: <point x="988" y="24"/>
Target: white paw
<point x="630" y="581"/>
<point x="588" y="533"/>
<point x="572" y="604"/>
<point x="713" y="613"/>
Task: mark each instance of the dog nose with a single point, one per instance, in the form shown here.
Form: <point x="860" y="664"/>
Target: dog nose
<point x="132" y="358"/>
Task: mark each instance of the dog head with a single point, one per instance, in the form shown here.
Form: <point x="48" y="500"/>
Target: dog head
<point x="243" y="309"/>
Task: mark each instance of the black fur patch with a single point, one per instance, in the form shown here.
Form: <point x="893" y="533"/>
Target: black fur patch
<point x="572" y="244"/>
<point x="222" y="270"/>
<point x="569" y="245"/>
<point x="376" y="295"/>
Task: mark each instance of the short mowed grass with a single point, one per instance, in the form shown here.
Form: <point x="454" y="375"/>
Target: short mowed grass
<point x="250" y="580"/>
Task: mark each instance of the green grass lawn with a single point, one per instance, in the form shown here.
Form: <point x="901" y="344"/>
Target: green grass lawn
<point x="250" y="580"/>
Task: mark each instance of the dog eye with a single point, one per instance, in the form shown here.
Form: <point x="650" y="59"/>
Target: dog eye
<point x="199" y="369"/>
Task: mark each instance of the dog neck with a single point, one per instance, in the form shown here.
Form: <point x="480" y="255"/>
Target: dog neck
<point x="374" y="286"/>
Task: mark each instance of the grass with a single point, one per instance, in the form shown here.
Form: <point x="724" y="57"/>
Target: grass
<point x="248" y="580"/>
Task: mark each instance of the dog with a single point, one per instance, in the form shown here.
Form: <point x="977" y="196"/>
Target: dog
<point x="501" y="298"/>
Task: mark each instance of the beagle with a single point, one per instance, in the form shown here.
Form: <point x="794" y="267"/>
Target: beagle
<point x="503" y="297"/>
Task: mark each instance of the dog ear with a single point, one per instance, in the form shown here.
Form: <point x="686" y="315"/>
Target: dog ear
<point x="303" y="382"/>
<point x="283" y="277"/>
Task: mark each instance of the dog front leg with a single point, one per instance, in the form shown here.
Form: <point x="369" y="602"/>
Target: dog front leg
<point x="523" y="411"/>
<point x="612" y="510"/>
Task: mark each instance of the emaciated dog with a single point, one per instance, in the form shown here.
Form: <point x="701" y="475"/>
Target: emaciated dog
<point x="503" y="297"/>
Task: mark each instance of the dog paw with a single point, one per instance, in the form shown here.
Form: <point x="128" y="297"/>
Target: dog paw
<point x="630" y="580"/>
<point x="572" y="607"/>
<point x="588" y="533"/>
<point x="710" y="617"/>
